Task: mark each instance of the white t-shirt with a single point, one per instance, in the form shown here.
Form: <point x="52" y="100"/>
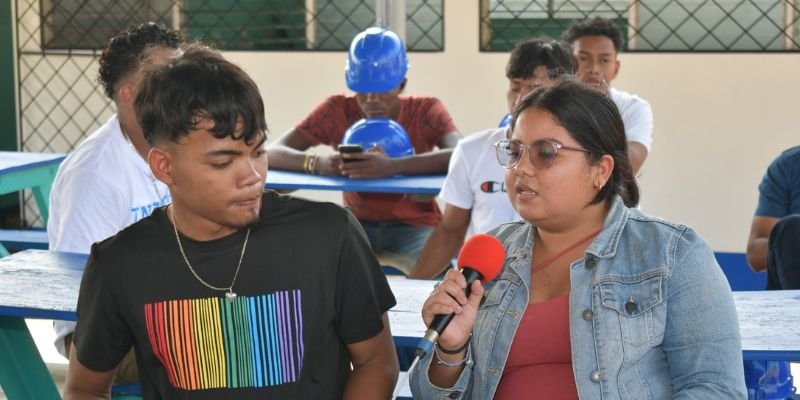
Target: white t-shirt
<point x="475" y="180"/>
<point x="636" y="115"/>
<point x="102" y="186"/>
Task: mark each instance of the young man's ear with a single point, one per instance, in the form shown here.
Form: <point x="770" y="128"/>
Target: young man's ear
<point x="160" y="161"/>
<point x="616" y="67"/>
<point x="126" y="95"/>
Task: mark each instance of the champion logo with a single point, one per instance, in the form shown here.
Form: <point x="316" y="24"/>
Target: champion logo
<point x="493" y="187"/>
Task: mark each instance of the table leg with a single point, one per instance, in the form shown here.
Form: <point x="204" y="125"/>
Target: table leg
<point x="41" y="193"/>
<point x="23" y="373"/>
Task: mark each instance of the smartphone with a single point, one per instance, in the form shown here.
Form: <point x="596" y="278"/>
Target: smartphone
<point x="350" y="148"/>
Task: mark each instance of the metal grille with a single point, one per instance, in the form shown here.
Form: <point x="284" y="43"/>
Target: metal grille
<point x="651" y="25"/>
<point x="233" y="24"/>
<point x="59" y="41"/>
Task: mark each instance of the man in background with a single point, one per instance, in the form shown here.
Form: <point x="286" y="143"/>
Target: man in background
<point x="596" y="43"/>
<point x="397" y="225"/>
<point x="474" y="191"/>
<point x="774" y="242"/>
<point x="105" y="184"/>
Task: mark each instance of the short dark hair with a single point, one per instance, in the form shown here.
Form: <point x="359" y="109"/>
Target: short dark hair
<point x="594" y="27"/>
<point x="541" y="51"/>
<point x="124" y="53"/>
<point x="593" y="120"/>
<point x="199" y="84"/>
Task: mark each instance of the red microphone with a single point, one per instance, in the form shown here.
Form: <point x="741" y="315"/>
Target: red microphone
<point x="482" y="257"/>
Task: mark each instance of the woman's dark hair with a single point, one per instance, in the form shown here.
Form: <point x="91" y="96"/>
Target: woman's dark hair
<point x="124" y="53"/>
<point x="536" y="52"/>
<point x="593" y="120"/>
<point x="594" y="27"/>
<point x="195" y="85"/>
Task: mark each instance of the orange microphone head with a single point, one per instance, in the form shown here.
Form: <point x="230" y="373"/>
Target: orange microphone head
<point x="483" y="253"/>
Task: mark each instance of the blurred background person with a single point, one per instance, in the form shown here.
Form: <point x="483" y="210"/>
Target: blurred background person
<point x="596" y="43"/>
<point x="474" y="192"/>
<point x="105" y="184"/>
<point x="397" y="225"/>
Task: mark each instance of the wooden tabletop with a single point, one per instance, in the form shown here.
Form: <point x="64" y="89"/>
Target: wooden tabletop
<point x="11" y="161"/>
<point x="44" y="284"/>
<point x="412" y="184"/>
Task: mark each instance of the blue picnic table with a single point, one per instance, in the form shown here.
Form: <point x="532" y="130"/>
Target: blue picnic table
<point x="410" y="184"/>
<point x="34" y="171"/>
<point x="44" y="284"/>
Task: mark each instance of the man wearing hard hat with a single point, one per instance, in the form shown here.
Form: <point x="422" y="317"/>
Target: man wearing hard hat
<point x="397" y="225"/>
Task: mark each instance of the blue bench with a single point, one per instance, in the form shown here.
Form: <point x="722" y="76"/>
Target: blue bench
<point x="738" y="272"/>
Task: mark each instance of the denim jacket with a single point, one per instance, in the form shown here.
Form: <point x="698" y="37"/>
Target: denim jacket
<point x="651" y="316"/>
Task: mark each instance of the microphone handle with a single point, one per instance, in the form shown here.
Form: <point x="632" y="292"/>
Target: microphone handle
<point x="442" y="320"/>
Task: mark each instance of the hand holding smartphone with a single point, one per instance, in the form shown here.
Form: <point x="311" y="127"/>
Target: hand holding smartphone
<point x="350" y="148"/>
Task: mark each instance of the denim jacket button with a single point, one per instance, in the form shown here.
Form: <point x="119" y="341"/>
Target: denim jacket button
<point x="630" y="306"/>
<point x="454" y="395"/>
<point x="588" y="314"/>
<point x="595" y="376"/>
<point x="590" y="262"/>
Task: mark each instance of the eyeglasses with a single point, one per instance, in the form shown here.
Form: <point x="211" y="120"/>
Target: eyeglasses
<point x="541" y="153"/>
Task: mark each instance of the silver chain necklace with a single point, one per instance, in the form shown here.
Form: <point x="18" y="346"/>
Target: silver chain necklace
<point x="229" y="294"/>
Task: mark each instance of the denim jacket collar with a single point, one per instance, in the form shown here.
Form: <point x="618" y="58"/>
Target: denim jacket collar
<point x="603" y="246"/>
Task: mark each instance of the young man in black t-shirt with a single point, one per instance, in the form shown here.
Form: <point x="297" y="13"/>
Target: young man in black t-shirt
<point x="230" y="291"/>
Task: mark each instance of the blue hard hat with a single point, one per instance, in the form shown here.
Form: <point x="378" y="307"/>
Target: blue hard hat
<point x="768" y="380"/>
<point x="383" y="132"/>
<point x="376" y="62"/>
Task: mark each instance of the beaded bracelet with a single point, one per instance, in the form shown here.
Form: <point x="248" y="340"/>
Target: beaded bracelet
<point x="458" y="363"/>
<point x="306" y="160"/>
<point x="456" y="351"/>
<point x="310" y="163"/>
<point x="313" y="165"/>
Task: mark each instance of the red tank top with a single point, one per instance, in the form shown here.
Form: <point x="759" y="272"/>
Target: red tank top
<point x="539" y="365"/>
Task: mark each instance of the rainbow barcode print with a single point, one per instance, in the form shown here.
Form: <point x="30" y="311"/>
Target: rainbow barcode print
<point x="212" y="343"/>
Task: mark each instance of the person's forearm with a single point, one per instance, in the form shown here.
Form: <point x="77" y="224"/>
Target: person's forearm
<point x="286" y="158"/>
<point x="372" y="380"/>
<point x="757" y="254"/>
<point x="637" y="153"/>
<point x="439" y="250"/>
<point x="434" y="162"/>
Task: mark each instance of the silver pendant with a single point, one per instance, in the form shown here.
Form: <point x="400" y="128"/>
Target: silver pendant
<point x="230" y="296"/>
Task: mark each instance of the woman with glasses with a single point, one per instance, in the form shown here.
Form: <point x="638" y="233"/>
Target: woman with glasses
<point x="596" y="300"/>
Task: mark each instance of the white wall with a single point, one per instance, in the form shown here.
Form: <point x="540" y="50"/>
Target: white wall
<point x="719" y="118"/>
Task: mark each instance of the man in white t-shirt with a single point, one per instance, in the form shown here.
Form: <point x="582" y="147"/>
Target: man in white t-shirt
<point x="595" y="43"/>
<point x="105" y="184"/>
<point x="474" y="190"/>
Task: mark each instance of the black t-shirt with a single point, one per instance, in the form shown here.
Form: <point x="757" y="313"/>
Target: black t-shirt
<point x="308" y="285"/>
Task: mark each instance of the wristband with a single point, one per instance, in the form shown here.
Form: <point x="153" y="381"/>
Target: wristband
<point x="455" y="351"/>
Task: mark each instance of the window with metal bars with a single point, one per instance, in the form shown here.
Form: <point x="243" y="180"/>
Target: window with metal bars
<point x="651" y="25"/>
<point x="236" y="24"/>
